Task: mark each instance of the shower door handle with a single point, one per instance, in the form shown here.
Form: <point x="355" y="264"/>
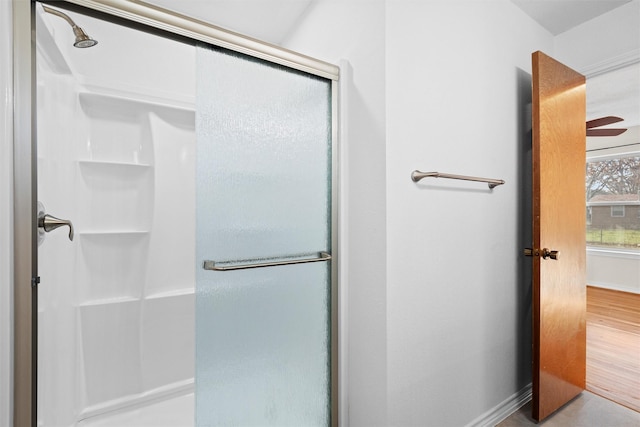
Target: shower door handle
<point x="49" y="223"/>
<point x="213" y="265"/>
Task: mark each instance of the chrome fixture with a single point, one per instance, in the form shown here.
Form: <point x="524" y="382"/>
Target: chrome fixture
<point x="213" y="265"/>
<point x="417" y="176"/>
<point x="546" y="253"/>
<point x="82" y="39"/>
<point x="47" y="223"/>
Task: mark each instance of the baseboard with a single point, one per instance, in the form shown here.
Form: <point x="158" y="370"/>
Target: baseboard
<point x="610" y="287"/>
<point x="501" y="411"/>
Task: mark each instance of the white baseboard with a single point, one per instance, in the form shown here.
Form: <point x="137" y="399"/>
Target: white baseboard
<point x="501" y="411"/>
<point x="613" y="287"/>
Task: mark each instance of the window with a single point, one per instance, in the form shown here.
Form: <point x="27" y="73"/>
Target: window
<point x="612" y="185"/>
<point x="617" y="211"/>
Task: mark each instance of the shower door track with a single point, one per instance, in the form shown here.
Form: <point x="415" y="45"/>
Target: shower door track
<point x="25" y="257"/>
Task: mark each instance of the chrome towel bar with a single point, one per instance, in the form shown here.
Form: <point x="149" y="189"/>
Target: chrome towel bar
<point x="213" y="265"/>
<point x="417" y="176"/>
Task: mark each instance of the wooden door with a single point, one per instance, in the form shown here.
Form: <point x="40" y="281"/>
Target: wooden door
<point x="559" y="285"/>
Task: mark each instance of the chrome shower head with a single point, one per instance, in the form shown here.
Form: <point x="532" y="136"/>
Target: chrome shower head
<point x="82" y="39"/>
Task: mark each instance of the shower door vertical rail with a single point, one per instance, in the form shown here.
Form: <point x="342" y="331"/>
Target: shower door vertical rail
<point x="265" y="336"/>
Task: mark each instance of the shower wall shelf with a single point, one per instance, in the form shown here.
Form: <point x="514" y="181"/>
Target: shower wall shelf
<point x="182" y="113"/>
<point x="108" y="301"/>
<point x="100" y="233"/>
<point x="187" y="290"/>
<point x="416" y="176"/>
<point x="113" y="164"/>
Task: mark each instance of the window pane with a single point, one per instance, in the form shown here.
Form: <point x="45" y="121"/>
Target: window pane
<point x="617" y="211"/>
<point x="613" y="202"/>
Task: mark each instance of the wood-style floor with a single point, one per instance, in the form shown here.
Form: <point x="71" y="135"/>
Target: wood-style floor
<point x="586" y="410"/>
<point x="613" y="345"/>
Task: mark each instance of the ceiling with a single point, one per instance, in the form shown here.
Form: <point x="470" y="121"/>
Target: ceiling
<point x="558" y="16"/>
<point x="273" y="20"/>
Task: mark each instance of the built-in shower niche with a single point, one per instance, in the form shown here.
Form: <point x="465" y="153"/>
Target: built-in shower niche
<point x="112" y="266"/>
<point x="144" y="356"/>
<point x="171" y="263"/>
<point x="117" y="130"/>
<point x="136" y="273"/>
<point x="115" y="198"/>
<point x="110" y="355"/>
<point x="116" y="160"/>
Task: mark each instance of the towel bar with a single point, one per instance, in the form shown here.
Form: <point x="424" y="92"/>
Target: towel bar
<point x="417" y="176"/>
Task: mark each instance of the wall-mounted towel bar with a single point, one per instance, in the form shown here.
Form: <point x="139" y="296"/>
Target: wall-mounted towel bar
<point x="417" y="176"/>
<point x="213" y="265"/>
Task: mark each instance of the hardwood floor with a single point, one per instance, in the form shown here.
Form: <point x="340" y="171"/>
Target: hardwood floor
<point x="613" y="345"/>
<point x="586" y="410"/>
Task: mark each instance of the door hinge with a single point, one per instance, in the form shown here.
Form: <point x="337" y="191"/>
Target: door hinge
<point x="35" y="281"/>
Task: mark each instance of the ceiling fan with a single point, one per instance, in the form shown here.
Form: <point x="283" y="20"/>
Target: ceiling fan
<point x="603" y="121"/>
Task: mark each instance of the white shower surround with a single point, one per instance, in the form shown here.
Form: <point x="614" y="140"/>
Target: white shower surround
<point x="117" y="157"/>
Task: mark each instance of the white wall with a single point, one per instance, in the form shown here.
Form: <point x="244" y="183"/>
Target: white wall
<point x="444" y="337"/>
<point x="614" y="269"/>
<point x="458" y="302"/>
<point x="6" y="210"/>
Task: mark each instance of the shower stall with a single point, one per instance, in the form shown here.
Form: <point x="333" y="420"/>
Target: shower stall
<point x="182" y="225"/>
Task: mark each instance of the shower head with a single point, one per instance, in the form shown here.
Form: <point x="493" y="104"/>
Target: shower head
<point x="82" y="39"/>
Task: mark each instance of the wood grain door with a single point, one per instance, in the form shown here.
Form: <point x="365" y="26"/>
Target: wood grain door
<point x="559" y="285"/>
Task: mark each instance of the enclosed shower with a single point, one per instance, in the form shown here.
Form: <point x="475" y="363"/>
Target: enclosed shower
<point x="197" y="181"/>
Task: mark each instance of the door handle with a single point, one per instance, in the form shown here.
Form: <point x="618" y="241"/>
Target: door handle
<point x="49" y="223"/>
<point x="546" y="253"/>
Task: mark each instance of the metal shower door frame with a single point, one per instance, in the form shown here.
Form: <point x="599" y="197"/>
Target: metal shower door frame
<point x="25" y="263"/>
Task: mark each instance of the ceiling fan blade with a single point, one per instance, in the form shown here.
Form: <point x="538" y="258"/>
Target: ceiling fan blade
<point x="603" y="121"/>
<point x="605" y="132"/>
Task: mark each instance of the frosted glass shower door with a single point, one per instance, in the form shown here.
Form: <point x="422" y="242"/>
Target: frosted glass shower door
<point x="263" y="207"/>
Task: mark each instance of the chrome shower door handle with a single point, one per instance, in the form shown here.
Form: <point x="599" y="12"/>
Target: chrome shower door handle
<point x="49" y="223"/>
<point x="213" y="265"/>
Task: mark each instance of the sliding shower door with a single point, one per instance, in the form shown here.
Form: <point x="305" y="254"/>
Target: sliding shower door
<point x="196" y="258"/>
<point x="263" y="243"/>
